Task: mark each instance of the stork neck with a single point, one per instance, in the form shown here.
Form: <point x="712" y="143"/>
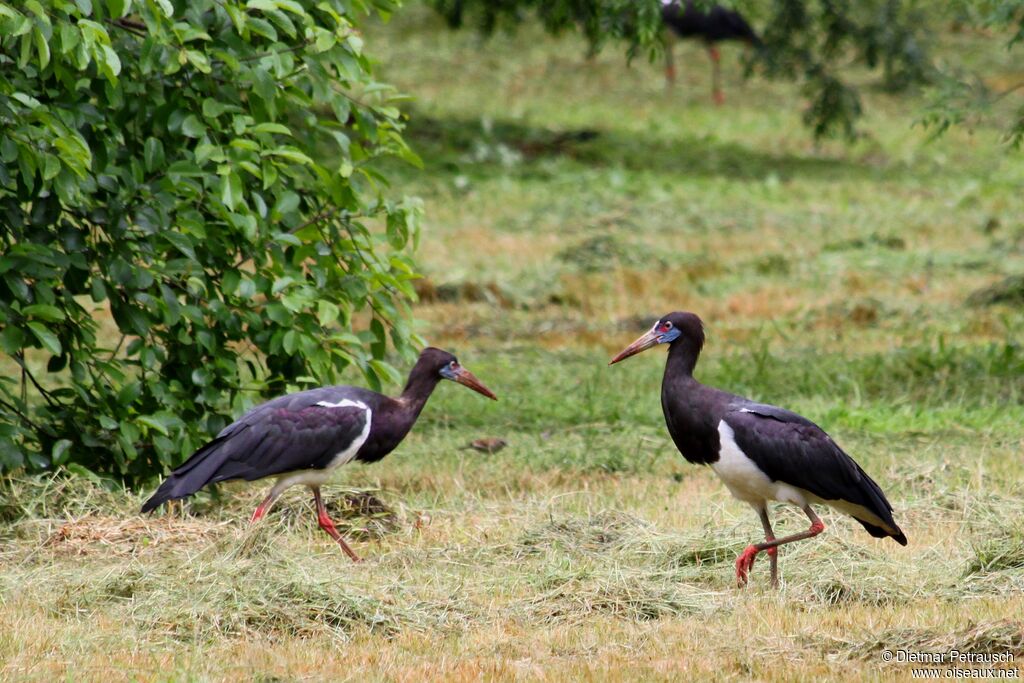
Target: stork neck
<point x="682" y="358"/>
<point x="418" y="388"/>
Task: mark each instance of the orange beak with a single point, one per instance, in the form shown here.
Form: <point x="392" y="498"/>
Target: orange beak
<point x="642" y="344"/>
<point x="468" y="379"/>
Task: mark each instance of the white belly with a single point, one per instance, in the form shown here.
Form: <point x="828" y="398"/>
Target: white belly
<point x="744" y="478"/>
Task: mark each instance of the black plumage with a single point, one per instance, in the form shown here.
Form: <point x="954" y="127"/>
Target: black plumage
<point x="761" y="452"/>
<point x="712" y="25"/>
<point x="302" y="437"/>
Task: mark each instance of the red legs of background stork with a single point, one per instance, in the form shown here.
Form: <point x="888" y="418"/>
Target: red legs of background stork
<point x="716" y="75"/>
<point x="670" y="63"/>
<point x="745" y="562"/>
<point x="321" y="514"/>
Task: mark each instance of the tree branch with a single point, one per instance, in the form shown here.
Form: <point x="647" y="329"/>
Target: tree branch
<point x="19" y="359"/>
<point x="25" y="418"/>
<point x="133" y="27"/>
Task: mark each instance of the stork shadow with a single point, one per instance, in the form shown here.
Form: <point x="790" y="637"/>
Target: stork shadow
<point x="512" y="148"/>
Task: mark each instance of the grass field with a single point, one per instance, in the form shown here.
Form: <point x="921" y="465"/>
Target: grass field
<point x="569" y="204"/>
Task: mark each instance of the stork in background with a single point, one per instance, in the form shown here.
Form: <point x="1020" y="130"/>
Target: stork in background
<point x="716" y="24"/>
<point x="302" y="438"/>
<point x="760" y="452"/>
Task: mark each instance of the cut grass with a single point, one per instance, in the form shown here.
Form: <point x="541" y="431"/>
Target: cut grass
<point x="569" y="204"/>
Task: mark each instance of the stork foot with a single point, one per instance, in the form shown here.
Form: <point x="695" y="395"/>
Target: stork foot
<point x="324" y="520"/>
<point x="327" y="525"/>
<point x="719" y="98"/>
<point x="744" y="563"/>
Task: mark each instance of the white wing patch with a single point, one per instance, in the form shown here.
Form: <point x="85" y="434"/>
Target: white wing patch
<point x="343" y="403"/>
<point x="346" y="455"/>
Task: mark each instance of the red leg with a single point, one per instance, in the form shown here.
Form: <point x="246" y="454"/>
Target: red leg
<point x="670" y="64"/>
<point x="327" y="525"/>
<point x="262" y="508"/>
<point x="716" y="76"/>
<point x="769" y="535"/>
<point x="745" y="562"/>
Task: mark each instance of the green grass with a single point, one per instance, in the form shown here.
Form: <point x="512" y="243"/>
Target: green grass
<point x="570" y="203"/>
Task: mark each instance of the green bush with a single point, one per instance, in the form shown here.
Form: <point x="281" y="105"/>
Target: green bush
<point x="164" y="160"/>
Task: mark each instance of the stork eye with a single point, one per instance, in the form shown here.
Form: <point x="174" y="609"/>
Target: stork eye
<point x="454" y="364"/>
<point x="668" y="324"/>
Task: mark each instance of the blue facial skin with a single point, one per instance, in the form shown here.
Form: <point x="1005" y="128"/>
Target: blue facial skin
<point x="447" y="372"/>
<point x="669" y="336"/>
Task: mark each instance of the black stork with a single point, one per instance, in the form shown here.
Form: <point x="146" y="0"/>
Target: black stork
<point x="712" y="25"/>
<point x="760" y="452"/>
<point x="301" y="438"/>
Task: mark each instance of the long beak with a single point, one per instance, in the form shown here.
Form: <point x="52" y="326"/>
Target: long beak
<point x="642" y="344"/>
<point x="467" y="378"/>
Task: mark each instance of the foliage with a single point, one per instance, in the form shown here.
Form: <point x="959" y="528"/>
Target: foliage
<point x="963" y="98"/>
<point x="154" y="162"/>
<point x="807" y="41"/>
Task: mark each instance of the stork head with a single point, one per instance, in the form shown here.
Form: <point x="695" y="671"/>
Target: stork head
<point x="669" y="329"/>
<point x="447" y="366"/>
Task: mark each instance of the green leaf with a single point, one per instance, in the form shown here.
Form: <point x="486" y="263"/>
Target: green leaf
<point x="153" y="154"/>
<point x="270" y="128"/>
<point x="290" y="342"/>
<point x="231" y="190"/>
<point x="48" y="339"/>
<point x="281" y="283"/>
<point x="44" y="312"/>
<point x="286" y="204"/>
<point x="58" y="454"/>
<point x="51" y="167"/>
<point x="12" y="340"/>
<point x="213" y="108"/>
<point x="289" y="153"/>
<point x="42" y="48"/>
<point x="117" y="8"/>
<point x="386" y="372"/>
<point x="111" y="63"/>
<point x="192" y="127"/>
<point x="153" y="422"/>
<point x="279" y="314"/>
<point x="166" y="7"/>
<point x="199" y="61"/>
<point x="181" y="242"/>
<point x="229" y="283"/>
<point x="327" y="313"/>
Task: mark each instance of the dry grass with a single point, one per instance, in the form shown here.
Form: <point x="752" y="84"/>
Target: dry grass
<point x="529" y="584"/>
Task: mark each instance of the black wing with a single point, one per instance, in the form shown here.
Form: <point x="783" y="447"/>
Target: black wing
<point x="299" y="431"/>
<point x="792" y="449"/>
